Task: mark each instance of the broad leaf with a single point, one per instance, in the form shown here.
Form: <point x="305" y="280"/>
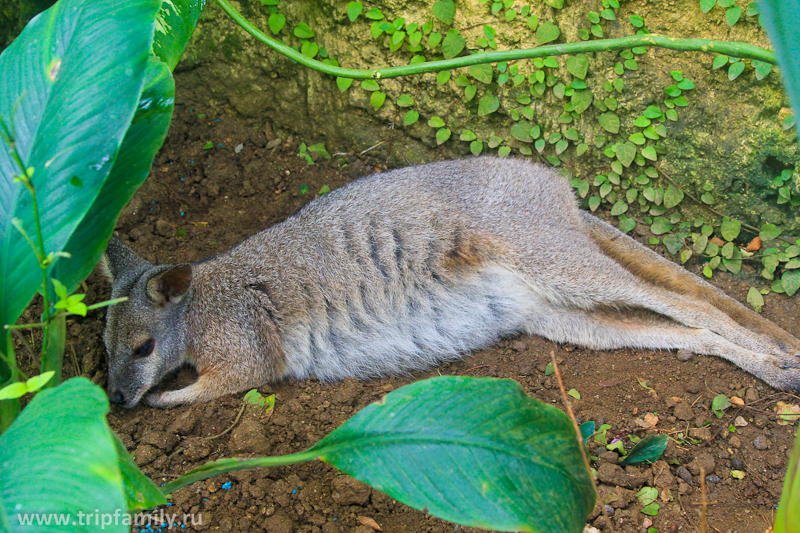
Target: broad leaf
<point x="175" y="23"/>
<point x="59" y="458"/>
<point x="140" y="492"/>
<point x="475" y="451"/>
<point x="649" y="449"/>
<point x="131" y="167"/>
<point x="79" y="71"/>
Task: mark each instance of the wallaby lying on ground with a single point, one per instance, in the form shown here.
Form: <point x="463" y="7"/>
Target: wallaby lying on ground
<point x="406" y="269"/>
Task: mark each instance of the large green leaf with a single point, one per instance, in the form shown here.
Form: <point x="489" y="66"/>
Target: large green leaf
<point x="58" y="459"/>
<point x="176" y="22"/>
<point x="782" y="22"/>
<point x="79" y="71"/>
<point x="475" y="451"/>
<point x="131" y="167"/>
<point x="787" y="519"/>
<point x="140" y="492"/>
<point x="469" y="450"/>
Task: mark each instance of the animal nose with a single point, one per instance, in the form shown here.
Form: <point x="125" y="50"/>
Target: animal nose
<point x="116" y="397"/>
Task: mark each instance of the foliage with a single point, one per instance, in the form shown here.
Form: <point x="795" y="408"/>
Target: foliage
<point x="64" y="460"/>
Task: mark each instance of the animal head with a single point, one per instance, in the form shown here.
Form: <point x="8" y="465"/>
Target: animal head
<point x="143" y="335"/>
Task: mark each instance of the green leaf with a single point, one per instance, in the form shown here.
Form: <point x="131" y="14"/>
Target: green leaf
<point x="619" y="208"/>
<point x="706" y="5"/>
<point x="547" y="32"/>
<point x="649" y="153"/>
<point x="626" y="224"/>
<point x="354" y="10"/>
<point x="61" y="458"/>
<point x="732" y="15"/>
<point x="504" y="151"/>
<point x="502" y="433"/>
<point x="442" y="77"/>
<point x="377" y="99"/>
<point x="755" y="299"/>
<point x="467" y="135"/>
<point x="437" y="425"/>
<point x="661" y="226"/>
<point x="374" y="14"/>
<point x="444" y="10"/>
<point x="647" y="450"/>
<point x="653" y="112"/>
<point x="719" y="62"/>
<point x="303" y="31"/>
<point x="672" y="197"/>
<point x="442" y="135"/>
<point x="370" y="85"/>
<point x="476" y="147"/>
<point x="594" y="203"/>
<point x="609" y="122"/>
<point x="405" y="100"/>
<point x="482" y="72"/>
<point x="344" y="83"/>
<point x="435" y="122"/>
<point x="309" y="49"/>
<point x="12" y="391"/>
<point x="488" y="104"/>
<point x="558" y="4"/>
<point x="177" y="20"/>
<point x="762" y="68"/>
<point x="453" y="44"/>
<point x="140" y="492"/>
<point x="637" y="21"/>
<point x="578" y="65"/>
<point x="581" y="100"/>
<point x="735" y="69"/>
<point x="719" y="404"/>
<point x="769" y="232"/>
<point x="276" y="22"/>
<point x="791" y="281"/>
<point x="521" y="132"/>
<point x="730" y="229"/>
<point x="68" y="107"/>
<point x="410" y="117"/>
<point x="574" y="393"/>
<point x="626" y="152"/>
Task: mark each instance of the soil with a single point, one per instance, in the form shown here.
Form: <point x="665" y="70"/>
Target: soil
<point x="199" y="201"/>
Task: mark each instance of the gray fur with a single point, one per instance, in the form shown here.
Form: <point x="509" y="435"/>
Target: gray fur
<point x="404" y="270"/>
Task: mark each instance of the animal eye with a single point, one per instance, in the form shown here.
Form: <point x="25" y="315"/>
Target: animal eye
<point x="144" y="349"/>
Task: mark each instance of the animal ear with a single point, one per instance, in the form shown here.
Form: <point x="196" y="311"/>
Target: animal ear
<point x="119" y="261"/>
<point x="170" y="286"/>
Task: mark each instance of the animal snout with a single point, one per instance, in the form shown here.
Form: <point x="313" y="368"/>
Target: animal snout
<point x="115" y="396"/>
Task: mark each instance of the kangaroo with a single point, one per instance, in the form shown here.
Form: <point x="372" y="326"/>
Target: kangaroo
<point x="409" y="268"/>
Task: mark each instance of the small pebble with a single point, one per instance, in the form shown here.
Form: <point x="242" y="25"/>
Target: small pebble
<point x="712" y="478"/>
<point x="761" y="442"/>
<point x="737" y="464"/>
<point x="609" y="510"/>
<point x="685" y="475"/>
<point x="683" y="355"/>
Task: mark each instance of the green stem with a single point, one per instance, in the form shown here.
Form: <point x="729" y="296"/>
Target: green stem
<point x="730" y="48"/>
<point x="223" y="466"/>
<point x="62" y="314"/>
<point x="53" y="355"/>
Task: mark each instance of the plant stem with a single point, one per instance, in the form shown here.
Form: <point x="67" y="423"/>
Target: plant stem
<point x="53" y="355"/>
<point x="224" y="466"/>
<point x="61" y="314"/>
<point x="730" y="48"/>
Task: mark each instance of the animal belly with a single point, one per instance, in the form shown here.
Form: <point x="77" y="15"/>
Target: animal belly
<point x="428" y="323"/>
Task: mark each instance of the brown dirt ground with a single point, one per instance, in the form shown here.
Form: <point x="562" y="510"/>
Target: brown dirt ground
<point x="198" y="202"/>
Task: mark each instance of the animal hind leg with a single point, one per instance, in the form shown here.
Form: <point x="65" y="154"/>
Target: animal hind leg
<point x="612" y="329"/>
<point x="658" y="271"/>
